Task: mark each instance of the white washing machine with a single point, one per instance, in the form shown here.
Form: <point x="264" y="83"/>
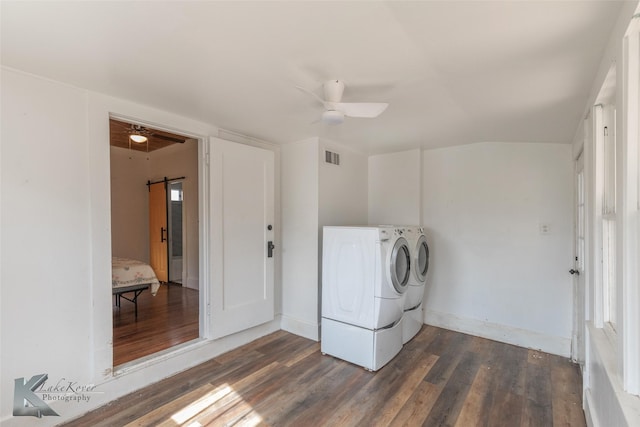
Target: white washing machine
<point x="365" y="274"/>
<point x="413" y="311"/>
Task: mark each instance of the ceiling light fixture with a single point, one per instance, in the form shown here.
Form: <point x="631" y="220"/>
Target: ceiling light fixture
<point x="333" y="117"/>
<point x="138" y="138"/>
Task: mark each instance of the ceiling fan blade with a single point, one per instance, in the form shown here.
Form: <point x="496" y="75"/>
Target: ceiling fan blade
<point x="361" y="109"/>
<point x="312" y="94"/>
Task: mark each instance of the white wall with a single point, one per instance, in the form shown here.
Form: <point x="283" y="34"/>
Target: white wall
<point x="395" y="188"/>
<point x="299" y="189"/>
<point x="55" y="298"/>
<point x="45" y="302"/>
<point x="343" y="188"/>
<point x="129" y="204"/>
<point x="492" y="272"/>
<point x="314" y="194"/>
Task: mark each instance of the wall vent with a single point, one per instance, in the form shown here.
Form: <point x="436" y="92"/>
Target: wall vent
<point x="333" y="158"/>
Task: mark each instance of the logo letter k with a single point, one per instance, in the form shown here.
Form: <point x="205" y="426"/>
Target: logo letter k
<point x="24" y="392"/>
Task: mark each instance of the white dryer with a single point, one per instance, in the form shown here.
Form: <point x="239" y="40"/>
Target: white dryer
<point x="413" y="310"/>
<point x="365" y="274"/>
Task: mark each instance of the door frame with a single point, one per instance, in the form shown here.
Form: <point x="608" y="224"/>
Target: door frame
<point x="204" y="311"/>
<point x="99" y="369"/>
<point x="580" y="259"/>
<point x="183" y="229"/>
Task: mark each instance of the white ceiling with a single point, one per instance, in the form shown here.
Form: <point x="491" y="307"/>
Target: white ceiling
<point x="453" y="72"/>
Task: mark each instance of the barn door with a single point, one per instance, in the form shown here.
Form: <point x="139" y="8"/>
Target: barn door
<point x="158" y="235"/>
<point x="242" y="236"/>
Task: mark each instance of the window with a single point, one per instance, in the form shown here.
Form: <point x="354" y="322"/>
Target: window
<point x="604" y="131"/>
<point x="609" y="279"/>
<point x="630" y="158"/>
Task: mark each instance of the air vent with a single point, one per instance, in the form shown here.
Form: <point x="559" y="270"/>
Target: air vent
<point x="333" y="158"/>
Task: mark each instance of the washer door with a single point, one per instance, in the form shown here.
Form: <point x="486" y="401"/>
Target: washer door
<point x="421" y="262"/>
<point x="400" y="265"/>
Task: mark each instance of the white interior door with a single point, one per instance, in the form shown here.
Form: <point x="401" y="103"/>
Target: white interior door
<point x="241" y="229"/>
<point x="579" y="264"/>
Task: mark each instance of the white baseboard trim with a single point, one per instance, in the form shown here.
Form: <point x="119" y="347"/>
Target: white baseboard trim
<point x="497" y="332"/>
<point x="589" y="414"/>
<point x="192" y="283"/>
<point x="300" y="327"/>
<point x="610" y="404"/>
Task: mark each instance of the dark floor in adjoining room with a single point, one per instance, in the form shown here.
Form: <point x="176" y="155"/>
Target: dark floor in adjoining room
<point x="167" y="319"/>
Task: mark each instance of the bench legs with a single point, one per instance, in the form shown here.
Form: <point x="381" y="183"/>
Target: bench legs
<point x="134" y="299"/>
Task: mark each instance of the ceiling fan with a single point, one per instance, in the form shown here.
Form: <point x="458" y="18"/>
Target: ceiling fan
<point x="335" y="111"/>
<point x="141" y="134"/>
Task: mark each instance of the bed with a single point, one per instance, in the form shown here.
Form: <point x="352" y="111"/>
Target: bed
<point x="129" y="278"/>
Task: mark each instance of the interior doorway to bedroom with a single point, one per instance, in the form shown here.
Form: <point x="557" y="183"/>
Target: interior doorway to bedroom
<point x="154" y="226"/>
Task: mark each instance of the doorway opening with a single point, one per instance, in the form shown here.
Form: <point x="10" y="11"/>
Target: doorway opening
<point x="175" y="215"/>
<point x="154" y="226"/>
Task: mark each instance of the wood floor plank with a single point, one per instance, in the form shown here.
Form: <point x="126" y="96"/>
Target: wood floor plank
<point x="506" y="409"/>
<point x="285" y="397"/>
<point x="566" y="392"/>
<point x="417" y="408"/>
<point x="365" y="400"/>
<point x="193" y="399"/>
<point x="537" y="406"/>
<point x="283" y="380"/>
<point x="449" y="358"/>
<point x="470" y="413"/>
<point x="509" y="369"/>
<point x="252" y="346"/>
<point x="165" y="320"/>
<point x="291" y="404"/>
<point x="302" y="354"/>
<point x="231" y="404"/>
<point x="536" y="357"/>
<point x="387" y="412"/>
<point x="450" y="401"/>
<point x="330" y="393"/>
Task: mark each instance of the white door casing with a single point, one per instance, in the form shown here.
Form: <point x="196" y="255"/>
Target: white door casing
<point x="579" y="282"/>
<point x="241" y="213"/>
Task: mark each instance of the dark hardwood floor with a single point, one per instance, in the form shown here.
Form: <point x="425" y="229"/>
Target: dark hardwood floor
<point x="167" y="319"/>
<point x="440" y="378"/>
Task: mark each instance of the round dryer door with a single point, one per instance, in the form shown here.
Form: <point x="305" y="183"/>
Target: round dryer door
<point x="400" y="265"/>
<point x="421" y="262"/>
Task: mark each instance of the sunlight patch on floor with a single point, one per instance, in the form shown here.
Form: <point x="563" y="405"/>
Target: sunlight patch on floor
<point x="205" y="405"/>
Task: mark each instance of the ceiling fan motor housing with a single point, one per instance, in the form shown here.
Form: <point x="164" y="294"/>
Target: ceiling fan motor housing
<point x="333" y="90"/>
<point x="333" y="117"/>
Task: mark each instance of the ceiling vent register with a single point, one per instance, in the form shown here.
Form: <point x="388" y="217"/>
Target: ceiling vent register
<point x="333" y="158"/>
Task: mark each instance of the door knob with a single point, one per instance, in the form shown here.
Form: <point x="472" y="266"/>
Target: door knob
<point x="572" y="271"/>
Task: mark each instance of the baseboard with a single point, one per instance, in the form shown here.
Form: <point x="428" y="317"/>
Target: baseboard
<point x="192" y="283"/>
<point x="589" y="415"/>
<point x="497" y="332"/>
<point x="301" y="327"/>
